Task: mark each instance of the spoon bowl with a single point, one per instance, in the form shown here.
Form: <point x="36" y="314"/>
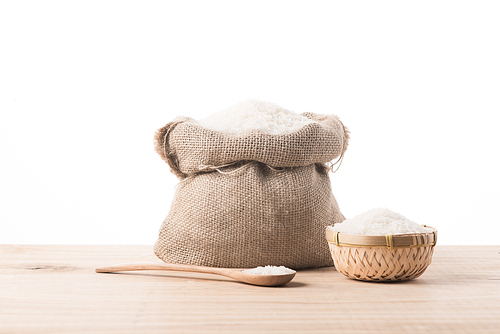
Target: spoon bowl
<point x="238" y="275"/>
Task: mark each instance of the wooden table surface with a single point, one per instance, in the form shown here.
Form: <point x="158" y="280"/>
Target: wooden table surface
<point x="53" y="289"/>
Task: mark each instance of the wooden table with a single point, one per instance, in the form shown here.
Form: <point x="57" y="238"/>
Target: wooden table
<point x="53" y="289"/>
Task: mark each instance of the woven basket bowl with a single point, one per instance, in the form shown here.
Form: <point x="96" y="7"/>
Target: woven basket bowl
<point x="382" y="258"/>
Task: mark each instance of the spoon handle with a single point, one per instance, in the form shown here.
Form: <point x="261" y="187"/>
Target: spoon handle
<point x="162" y="266"/>
<point x="262" y="280"/>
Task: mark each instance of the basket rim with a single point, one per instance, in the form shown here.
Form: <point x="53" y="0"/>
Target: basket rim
<point x="391" y="241"/>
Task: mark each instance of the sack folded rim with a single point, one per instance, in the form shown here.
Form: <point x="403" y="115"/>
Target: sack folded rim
<point x="178" y="143"/>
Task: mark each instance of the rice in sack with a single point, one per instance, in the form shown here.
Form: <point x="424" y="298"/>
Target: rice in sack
<point x="254" y="191"/>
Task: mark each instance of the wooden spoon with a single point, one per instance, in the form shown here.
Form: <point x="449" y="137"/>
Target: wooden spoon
<point x="263" y="280"/>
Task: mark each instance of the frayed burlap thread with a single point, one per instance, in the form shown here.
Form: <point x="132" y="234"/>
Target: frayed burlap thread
<point x="250" y="199"/>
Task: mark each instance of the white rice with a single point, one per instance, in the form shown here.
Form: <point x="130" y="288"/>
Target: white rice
<point x="380" y="221"/>
<point x="269" y="270"/>
<point x="255" y="115"/>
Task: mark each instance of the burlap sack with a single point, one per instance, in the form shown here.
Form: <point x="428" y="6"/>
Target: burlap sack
<point x="250" y="199"/>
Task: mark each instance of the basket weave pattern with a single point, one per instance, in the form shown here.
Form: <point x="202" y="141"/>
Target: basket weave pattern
<point x="381" y="258"/>
<point x="381" y="264"/>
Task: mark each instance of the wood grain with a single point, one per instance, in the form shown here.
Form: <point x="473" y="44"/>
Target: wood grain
<point x="53" y="289"/>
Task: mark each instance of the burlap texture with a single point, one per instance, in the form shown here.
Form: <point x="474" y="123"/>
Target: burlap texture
<point x="250" y="199"/>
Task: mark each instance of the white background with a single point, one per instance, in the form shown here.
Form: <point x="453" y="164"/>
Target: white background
<point x="84" y="85"/>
